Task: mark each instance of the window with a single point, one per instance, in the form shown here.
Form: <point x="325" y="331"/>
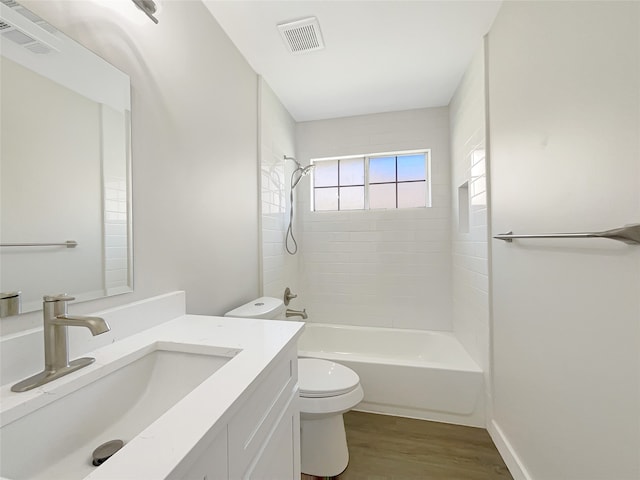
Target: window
<point x="372" y="182"/>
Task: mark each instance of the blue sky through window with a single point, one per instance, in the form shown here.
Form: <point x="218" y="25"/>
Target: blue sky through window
<point x="382" y="169"/>
<point x="411" y="167"/>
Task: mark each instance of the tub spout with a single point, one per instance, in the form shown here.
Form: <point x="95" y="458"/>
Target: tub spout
<point x="296" y="313"/>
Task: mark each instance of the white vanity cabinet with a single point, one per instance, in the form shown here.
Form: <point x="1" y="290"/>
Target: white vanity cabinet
<point x="241" y="422"/>
<point x="261" y="441"/>
<point x="210" y="464"/>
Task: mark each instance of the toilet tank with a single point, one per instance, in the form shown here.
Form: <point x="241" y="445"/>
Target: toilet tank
<point x="263" y="307"/>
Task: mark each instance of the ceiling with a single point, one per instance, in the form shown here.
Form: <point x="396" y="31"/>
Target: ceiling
<point x="379" y="56"/>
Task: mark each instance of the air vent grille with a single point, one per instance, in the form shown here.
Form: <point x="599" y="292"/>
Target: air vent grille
<point x="28" y="42"/>
<point x="39" y="48"/>
<point x="30" y="16"/>
<point x="302" y="36"/>
<point x="18" y="37"/>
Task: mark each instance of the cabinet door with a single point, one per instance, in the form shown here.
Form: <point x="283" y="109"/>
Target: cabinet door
<point x="280" y="458"/>
<point x="212" y="464"/>
<point x="258" y="417"/>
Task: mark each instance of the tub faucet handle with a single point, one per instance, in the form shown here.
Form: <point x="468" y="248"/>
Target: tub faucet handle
<point x="288" y="296"/>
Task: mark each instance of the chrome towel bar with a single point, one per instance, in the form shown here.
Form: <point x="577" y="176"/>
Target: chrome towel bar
<point x="68" y="244"/>
<point x="629" y="234"/>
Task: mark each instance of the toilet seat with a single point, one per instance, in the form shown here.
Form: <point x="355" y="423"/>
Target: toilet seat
<point x="310" y="406"/>
<point x="322" y="378"/>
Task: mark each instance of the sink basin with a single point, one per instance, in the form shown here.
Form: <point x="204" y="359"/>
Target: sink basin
<point x="57" y="440"/>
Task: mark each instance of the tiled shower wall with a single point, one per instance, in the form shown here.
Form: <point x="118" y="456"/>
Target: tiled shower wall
<point x="277" y="139"/>
<point x="469" y="197"/>
<point x="116" y="246"/>
<point x="389" y="268"/>
<point x="117" y="200"/>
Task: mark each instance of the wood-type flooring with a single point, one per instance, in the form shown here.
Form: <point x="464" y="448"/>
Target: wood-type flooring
<point x="383" y="447"/>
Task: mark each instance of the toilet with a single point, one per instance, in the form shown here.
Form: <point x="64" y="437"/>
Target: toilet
<point x="327" y="390"/>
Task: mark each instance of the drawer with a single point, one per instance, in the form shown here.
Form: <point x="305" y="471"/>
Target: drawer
<point x="250" y="428"/>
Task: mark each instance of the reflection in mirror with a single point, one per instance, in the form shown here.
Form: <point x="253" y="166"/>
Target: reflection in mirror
<point x="65" y="167"/>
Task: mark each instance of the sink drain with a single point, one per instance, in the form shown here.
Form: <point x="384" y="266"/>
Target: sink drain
<point x="104" y="451"/>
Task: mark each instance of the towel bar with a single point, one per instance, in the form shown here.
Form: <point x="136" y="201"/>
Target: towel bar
<point x="68" y="244"/>
<point x="629" y="234"/>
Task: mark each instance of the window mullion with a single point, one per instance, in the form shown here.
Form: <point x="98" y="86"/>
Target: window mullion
<point x="366" y="183"/>
<point x="338" y="185"/>
<point x="396" y="185"/>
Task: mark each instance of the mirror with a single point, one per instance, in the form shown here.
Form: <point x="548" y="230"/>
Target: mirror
<point x="65" y="191"/>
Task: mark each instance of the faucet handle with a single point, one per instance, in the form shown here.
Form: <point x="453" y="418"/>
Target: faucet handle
<point x="61" y="297"/>
<point x="54" y="305"/>
<point x="288" y="296"/>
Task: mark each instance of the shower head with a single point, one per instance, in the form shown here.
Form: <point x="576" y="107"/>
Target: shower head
<point x="301" y="173"/>
<point x="307" y="170"/>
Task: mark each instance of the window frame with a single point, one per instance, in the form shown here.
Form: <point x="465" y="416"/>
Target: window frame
<point x="366" y="159"/>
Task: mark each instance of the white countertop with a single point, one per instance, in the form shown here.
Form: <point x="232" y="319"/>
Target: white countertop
<point x="156" y="451"/>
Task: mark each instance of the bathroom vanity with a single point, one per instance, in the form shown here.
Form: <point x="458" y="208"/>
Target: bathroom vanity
<point x="191" y="397"/>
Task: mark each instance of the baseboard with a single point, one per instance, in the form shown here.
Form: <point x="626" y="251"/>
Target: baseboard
<point x="476" y="419"/>
<point x="511" y="459"/>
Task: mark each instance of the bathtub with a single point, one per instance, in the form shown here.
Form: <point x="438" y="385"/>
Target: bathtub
<point x="411" y="373"/>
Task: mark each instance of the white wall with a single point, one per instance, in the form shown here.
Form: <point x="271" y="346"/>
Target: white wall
<point x="378" y="268"/>
<point x="194" y="126"/>
<point x="277" y="139"/>
<point x="470" y="269"/>
<point x="564" y="93"/>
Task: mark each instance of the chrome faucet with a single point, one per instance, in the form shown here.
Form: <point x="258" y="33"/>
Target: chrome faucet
<point x="296" y="313"/>
<point x="56" y="343"/>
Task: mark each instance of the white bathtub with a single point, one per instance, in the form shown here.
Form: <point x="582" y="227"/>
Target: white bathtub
<point x="413" y="373"/>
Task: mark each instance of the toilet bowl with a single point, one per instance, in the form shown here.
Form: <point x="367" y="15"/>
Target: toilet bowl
<point x="327" y="390"/>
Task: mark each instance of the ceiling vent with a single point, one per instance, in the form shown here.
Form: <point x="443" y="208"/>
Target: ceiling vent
<point x="302" y="36"/>
<point x="30" y="15"/>
<point x="16" y="35"/>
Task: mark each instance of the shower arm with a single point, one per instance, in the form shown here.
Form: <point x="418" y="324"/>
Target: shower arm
<point x="293" y="160"/>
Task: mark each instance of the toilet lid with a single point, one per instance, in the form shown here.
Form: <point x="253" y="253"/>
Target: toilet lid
<point x="323" y="378"/>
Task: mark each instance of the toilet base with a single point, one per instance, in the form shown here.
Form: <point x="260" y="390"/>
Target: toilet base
<point x="323" y="445"/>
<point x="304" y="476"/>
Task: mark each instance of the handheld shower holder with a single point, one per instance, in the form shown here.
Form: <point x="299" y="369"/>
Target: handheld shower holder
<point x="296" y="176"/>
